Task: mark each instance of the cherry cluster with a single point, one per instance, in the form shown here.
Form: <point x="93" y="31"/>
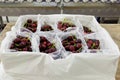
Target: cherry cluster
<point x="71" y="43"/>
<point x="46" y="28"/>
<point x="87" y="30"/>
<point x="21" y="44"/>
<point x="31" y="25"/>
<point x="64" y="25"/>
<point x="46" y="46"/>
<point x="93" y="44"/>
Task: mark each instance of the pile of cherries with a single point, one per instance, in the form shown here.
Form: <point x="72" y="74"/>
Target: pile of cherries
<point x="21" y="44"/>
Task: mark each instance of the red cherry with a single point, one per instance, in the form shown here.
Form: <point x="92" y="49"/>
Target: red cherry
<point x="39" y="46"/>
<point x="97" y="42"/>
<point x="44" y="42"/>
<point x="42" y="38"/>
<point x="29" y="49"/>
<point x="29" y="21"/>
<point x="89" y="45"/>
<point x="67" y="47"/>
<point x="34" y="25"/>
<point x="17" y="40"/>
<point x="49" y="44"/>
<point x="33" y="30"/>
<point x="23" y="43"/>
<point x="72" y="42"/>
<point x="78" y="45"/>
<point x="78" y="41"/>
<point x="59" y="22"/>
<point x="25" y="49"/>
<point x="12" y="46"/>
<point x="53" y="49"/>
<point x="46" y="51"/>
<point x="43" y="46"/>
<point x="29" y="25"/>
<point x="70" y="38"/>
<point x="72" y="48"/>
<point x="90" y="41"/>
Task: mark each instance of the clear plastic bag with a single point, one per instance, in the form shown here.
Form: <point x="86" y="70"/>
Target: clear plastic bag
<point x="63" y="36"/>
<point x="95" y="36"/>
<point x="52" y="38"/>
<point x="87" y="22"/>
<point x="19" y="26"/>
<point x="66" y="19"/>
<point x="46" y="20"/>
<point x="10" y="36"/>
